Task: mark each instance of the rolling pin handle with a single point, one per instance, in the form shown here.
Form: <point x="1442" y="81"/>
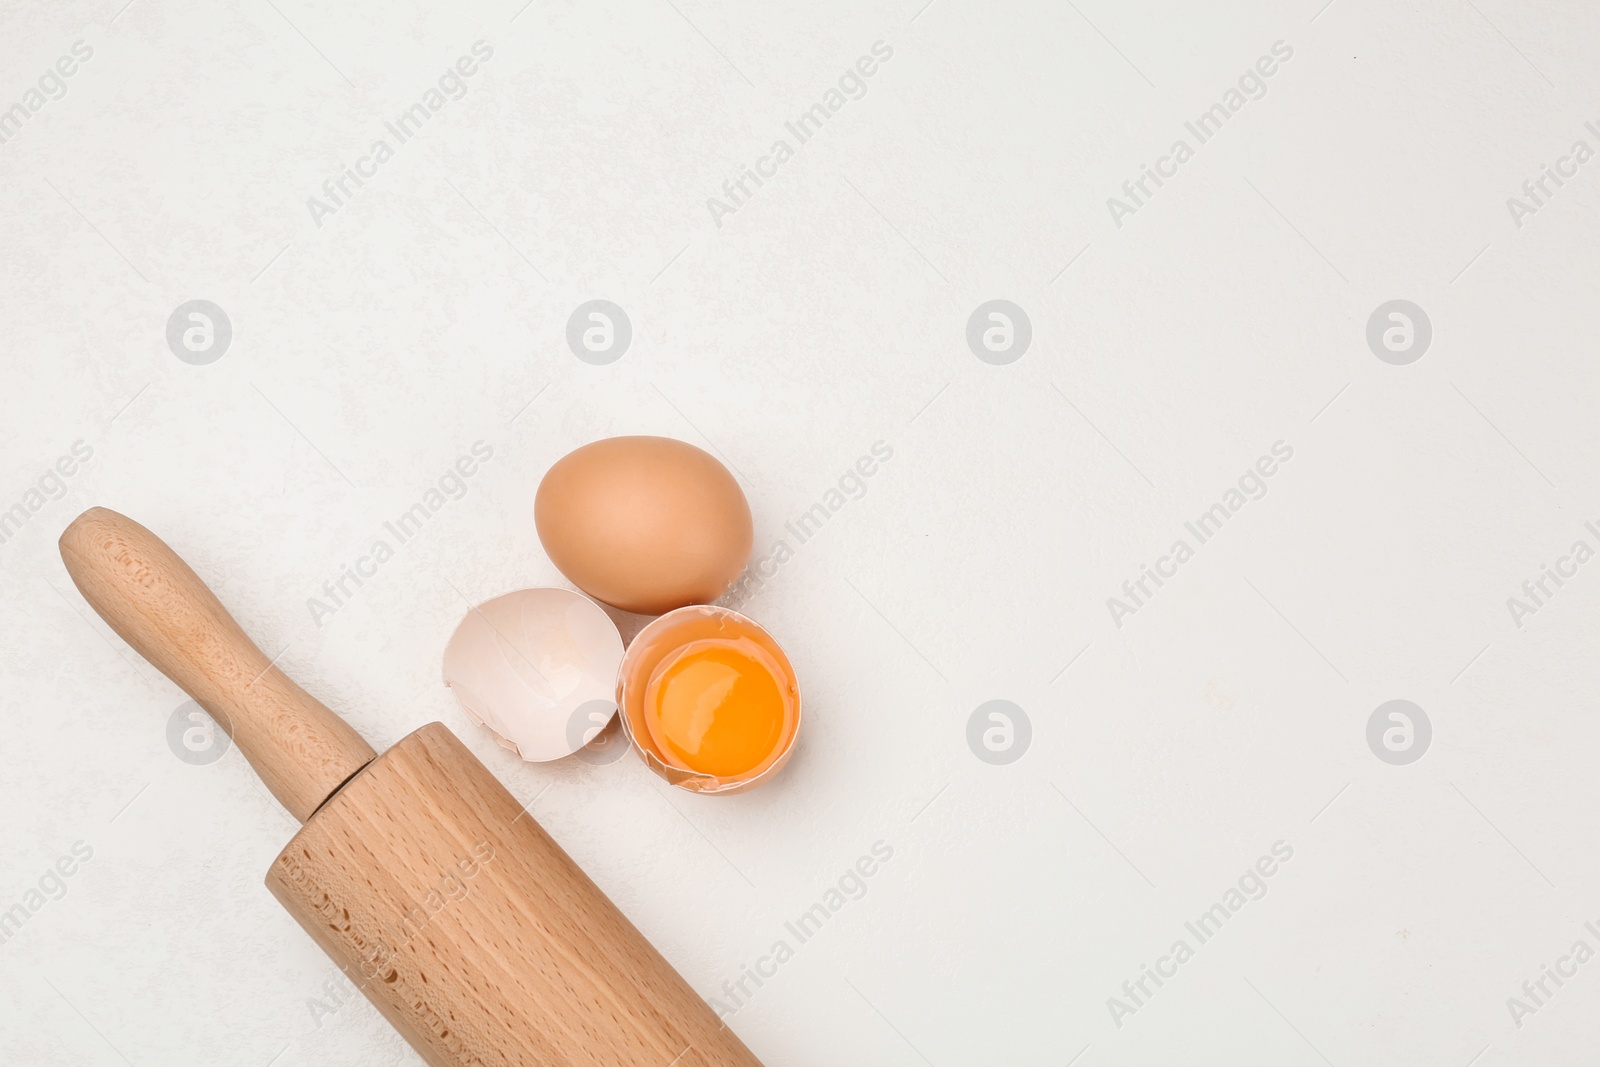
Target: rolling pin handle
<point x="156" y="603"/>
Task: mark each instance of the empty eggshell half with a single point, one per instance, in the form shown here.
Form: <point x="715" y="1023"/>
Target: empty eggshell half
<point x="538" y="668"/>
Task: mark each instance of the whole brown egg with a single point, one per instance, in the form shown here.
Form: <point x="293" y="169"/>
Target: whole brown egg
<point x="645" y="524"/>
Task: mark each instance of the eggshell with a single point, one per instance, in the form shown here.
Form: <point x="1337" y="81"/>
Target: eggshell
<point x="538" y="668"/>
<point x="646" y="524"/>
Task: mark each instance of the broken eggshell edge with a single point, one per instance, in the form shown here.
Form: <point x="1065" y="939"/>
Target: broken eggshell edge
<point x="693" y="781"/>
<point x="523" y="664"/>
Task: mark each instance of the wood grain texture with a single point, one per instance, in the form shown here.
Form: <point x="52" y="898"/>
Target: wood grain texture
<point x="149" y="596"/>
<point x="474" y="933"/>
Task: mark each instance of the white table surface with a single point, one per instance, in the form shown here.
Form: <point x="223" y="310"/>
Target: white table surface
<point x="825" y="314"/>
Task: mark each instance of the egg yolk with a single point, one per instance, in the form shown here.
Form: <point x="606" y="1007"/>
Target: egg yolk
<point x="716" y="707"/>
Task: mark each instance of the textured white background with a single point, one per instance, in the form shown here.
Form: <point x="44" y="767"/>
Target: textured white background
<point x="827" y="314"/>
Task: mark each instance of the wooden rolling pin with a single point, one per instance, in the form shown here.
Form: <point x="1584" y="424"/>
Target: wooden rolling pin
<point x="416" y="871"/>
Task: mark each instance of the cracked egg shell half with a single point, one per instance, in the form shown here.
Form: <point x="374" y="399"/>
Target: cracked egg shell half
<point x="538" y="669"/>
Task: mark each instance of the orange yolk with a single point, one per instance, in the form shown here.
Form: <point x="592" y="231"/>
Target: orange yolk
<point x="716" y="707"/>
